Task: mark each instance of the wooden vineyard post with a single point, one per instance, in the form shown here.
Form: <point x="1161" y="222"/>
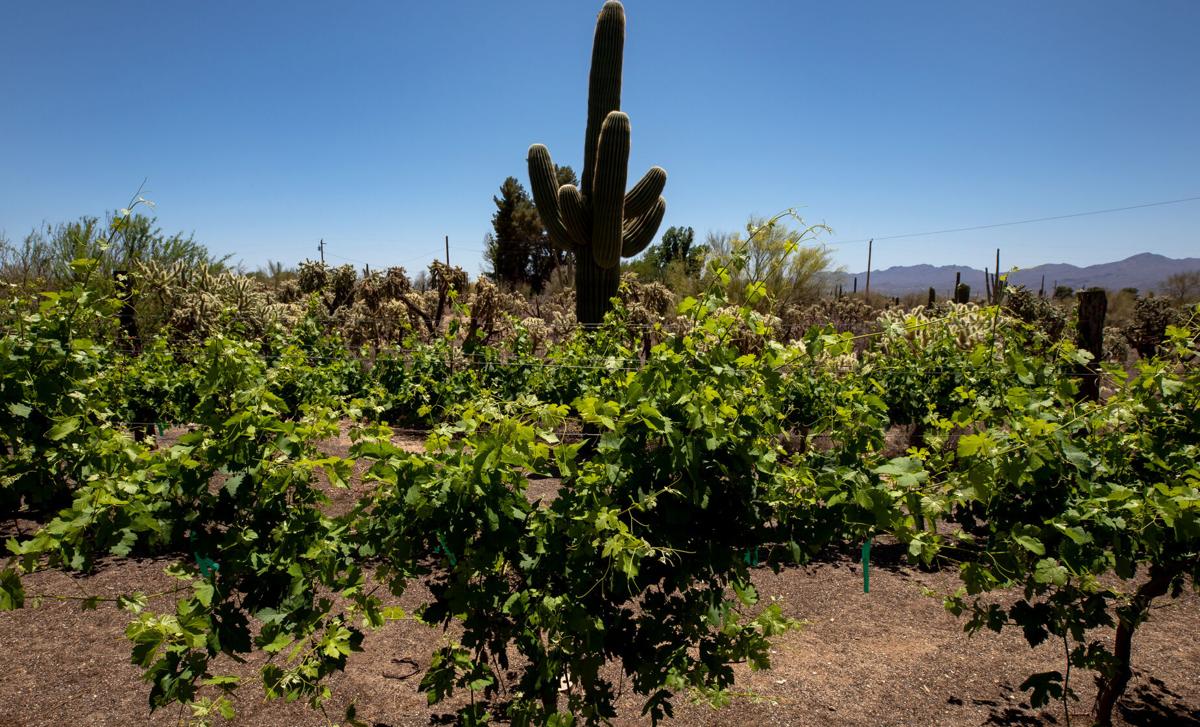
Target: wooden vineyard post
<point x="127" y="316"/>
<point x="997" y="283"/>
<point x="1089" y="336"/>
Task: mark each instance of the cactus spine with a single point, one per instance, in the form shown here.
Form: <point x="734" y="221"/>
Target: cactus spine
<point x="598" y="221"/>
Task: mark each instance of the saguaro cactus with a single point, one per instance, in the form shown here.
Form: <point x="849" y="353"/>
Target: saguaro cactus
<point x="598" y="221"/>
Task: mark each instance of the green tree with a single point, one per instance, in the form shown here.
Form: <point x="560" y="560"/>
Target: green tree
<point x="515" y="226"/>
<point x="677" y="245"/>
<point x="674" y="260"/>
<point x="518" y="249"/>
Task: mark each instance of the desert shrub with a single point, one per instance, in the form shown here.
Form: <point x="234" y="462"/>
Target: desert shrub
<point x="1147" y="330"/>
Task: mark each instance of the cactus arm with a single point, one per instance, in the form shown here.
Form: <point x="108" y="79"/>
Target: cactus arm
<point x="640" y="231"/>
<point x="608" y="191"/>
<point x="574" y="215"/>
<point x="544" y="184"/>
<point x="604" y="84"/>
<point x="644" y="195"/>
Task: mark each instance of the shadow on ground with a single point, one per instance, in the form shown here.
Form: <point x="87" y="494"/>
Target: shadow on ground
<point x="1154" y="704"/>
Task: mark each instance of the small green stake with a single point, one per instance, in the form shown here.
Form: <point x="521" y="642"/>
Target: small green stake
<point x="866" y="565"/>
<point x="207" y="565"/>
<point x="449" y="556"/>
<point x="750" y="557"/>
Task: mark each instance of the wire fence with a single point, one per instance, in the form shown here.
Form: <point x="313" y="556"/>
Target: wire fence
<point x="424" y="353"/>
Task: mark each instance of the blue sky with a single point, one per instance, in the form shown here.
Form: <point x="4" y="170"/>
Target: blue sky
<point x="382" y="126"/>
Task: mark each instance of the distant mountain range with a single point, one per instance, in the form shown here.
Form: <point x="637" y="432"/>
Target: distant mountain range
<point x="1145" y="272"/>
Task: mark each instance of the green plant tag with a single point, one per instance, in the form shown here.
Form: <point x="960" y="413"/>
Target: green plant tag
<point x="449" y="555"/>
<point x="866" y="565"/>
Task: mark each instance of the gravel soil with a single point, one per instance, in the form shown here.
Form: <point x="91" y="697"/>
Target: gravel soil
<point x="892" y="656"/>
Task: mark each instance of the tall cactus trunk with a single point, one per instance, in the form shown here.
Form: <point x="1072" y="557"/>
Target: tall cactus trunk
<point x="595" y="286"/>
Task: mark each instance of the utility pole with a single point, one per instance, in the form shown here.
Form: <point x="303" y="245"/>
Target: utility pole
<point x="447" y="251"/>
<point x="870" y="245"/>
<point x="321" y="248"/>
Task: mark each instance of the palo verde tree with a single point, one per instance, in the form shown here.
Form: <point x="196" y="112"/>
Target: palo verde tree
<point x="778" y="258"/>
<point x="597" y="220"/>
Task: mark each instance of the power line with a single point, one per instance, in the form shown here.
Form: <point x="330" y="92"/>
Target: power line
<point x="1016" y="222"/>
<point x="349" y="259"/>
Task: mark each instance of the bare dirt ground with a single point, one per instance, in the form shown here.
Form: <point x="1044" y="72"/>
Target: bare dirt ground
<point x="892" y="656"/>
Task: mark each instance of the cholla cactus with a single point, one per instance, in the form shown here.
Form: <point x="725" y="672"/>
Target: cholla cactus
<point x="335" y="286"/>
<point x="378" y="288"/>
<point x="313" y="277"/>
<point x="339" y="290"/>
<point x="485" y="309"/>
<point x="1115" y="346"/>
<point x="598" y="221"/>
<point x="1038" y="312"/>
<point x="749" y="330"/>
<point x="845" y="314"/>
<point x="537" y="330"/>
<point x="191" y="301"/>
<point x="445" y="280"/>
<point x="968" y="325"/>
<point x="1151" y="316"/>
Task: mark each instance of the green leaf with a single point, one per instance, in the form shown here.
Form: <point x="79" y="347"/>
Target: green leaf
<point x="907" y="471"/>
<point x="1048" y="570"/>
<point x="234" y="481"/>
<point x="204" y="592"/>
<point x="63" y="428"/>
<point x="12" y="594"/>
<point x="1031" y="544"/>
<point x="279" y="643"/>
<point x="19" y="410"/>
<point x="1076" y="456"/>
<point x="1079" y="535"/>
<point x="969" y="444"/>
